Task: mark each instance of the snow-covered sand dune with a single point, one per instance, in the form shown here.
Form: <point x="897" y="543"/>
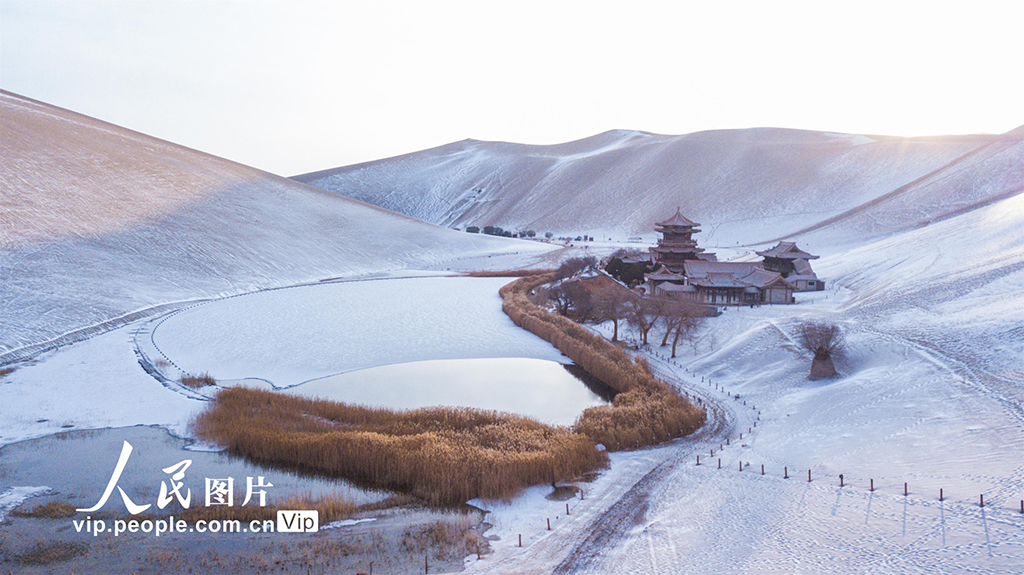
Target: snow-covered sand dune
<point x="923" y="250"/>
<point x="98" y="221"/>
<point x="743" y="185"/>
<point x="931" y="394"/>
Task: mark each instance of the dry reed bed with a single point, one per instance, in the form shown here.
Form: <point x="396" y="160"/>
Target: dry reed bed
<point x="330" y="507"/>
<point x="197" y="381"/>
<point x="441" y="455"/>
<point x="507" y="273"/>
<point x="646" y="410"/>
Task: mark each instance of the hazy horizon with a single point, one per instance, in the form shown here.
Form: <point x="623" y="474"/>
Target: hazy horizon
<point x="298" y="87"/>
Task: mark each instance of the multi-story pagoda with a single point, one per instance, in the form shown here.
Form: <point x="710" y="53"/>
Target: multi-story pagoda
<point x="676" y="244"/>
<point x="684" y="270"/>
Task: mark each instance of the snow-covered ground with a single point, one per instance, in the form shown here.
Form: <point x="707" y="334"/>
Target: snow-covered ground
<point x="286" y="336"/>
<point x="92" y="384"/>
<point x="931" y="395"/>
<point x="932" y="383"/>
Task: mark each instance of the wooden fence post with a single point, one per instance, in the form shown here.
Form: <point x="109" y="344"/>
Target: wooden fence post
<point x="786" y="473"/>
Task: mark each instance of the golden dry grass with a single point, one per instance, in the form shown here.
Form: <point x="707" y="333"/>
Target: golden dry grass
<point x="197" y="381"/>
<point x="507" y="273"/>
<point x="331" y="508"/>
<point x="51" y="510"/>
<point x="646" y="410"/>
<point x="441" y="455"/>
<point x="446" y="455"/>
<point x="51" y="552"/>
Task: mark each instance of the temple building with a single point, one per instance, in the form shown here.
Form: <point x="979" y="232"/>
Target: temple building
<point x="676" y="244"/>
<point x="794" y="265"/>
<point x="683" y="269"/>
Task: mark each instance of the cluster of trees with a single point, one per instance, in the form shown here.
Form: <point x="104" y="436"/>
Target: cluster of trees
<point x="497" y="231"/>
<point x="573" y="267"/>
<point x="679" y="318"/>
<point x="646" y="410"/>
<point x="631" y="274"/>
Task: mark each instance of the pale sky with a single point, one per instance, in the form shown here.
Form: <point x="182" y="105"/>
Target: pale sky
<point x="293" y="87"/>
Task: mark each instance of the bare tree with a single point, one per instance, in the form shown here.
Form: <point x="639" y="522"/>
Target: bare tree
<point x="622" y="253"/>
<point x="825" y="341"/>
<point x="681" y="317"/>
<point x="581" y="301"/>
<point x="575" y="266"/>
<point x="644" y="312"/>
<point x="611" y="304"/>
<point x="558" y="296"/>
<point x="571" y="299"/>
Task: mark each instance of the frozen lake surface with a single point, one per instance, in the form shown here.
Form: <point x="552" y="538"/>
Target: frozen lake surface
<point x="552" y="392"/>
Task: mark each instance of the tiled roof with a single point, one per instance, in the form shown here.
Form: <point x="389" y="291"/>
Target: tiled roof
<point x="802" y="267"/>
<point x="731" y="274"/>
<point x="763" y="278"/>
<point x="664" y="274"/>
<point x="788" y="251"/>
<point x="676" y="287"/>
<point x="720" y="280"/>
<point x="678" y="220"/>
<point x="701" y="268"/>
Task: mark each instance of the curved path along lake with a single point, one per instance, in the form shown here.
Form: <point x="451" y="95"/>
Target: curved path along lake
<point x="549" y="391"/>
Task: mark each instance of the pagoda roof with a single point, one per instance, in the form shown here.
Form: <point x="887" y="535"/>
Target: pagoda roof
<point x="802" y="268"/>
<point x="701" y="268"/>
<point x="787" y="251"/>
<point x="721" y="280"/>
<point x="764" y="278"/>
<point x="683" y="248"/>
<point x="664" y="274"/>
<point x="676" y="288"/>
<point x="678" y="220"/>
<point x="731" y="274"/>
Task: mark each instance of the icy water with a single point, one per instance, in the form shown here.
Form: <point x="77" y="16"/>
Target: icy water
<point x="545" y="390"/>
<point x="77" y="466"/>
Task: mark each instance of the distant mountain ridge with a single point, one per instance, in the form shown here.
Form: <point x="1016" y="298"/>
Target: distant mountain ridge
<point x="745" y="186"/>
